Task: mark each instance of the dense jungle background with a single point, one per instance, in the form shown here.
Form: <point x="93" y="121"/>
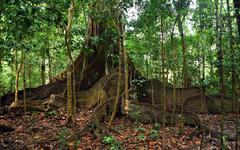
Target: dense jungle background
<point x="119" y="74"/>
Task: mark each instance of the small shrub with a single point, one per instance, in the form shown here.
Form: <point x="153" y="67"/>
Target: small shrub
<point x="154" y="134"/>
<point x="141" y="137"/>
<point x="134" y="112"/>
<point x="50" y="113"/>
<point x="157" y="126"/>
<point x="224" y="146"/>
<point x="77" y="143"/>
<point x="62" y="137"/>
<point x="141" y="129"/>
<point x="114" y="144"/>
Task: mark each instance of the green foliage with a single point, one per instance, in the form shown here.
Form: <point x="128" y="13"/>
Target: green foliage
<point x="77" y="143"/>
<point x="91" y="126"/>
<point x="224" y="144"/>
<point x="142" y="137"/>
<point x="141" y="129"/>
<point x="154" y="134"/>
<point x="134" y="112"/>
<point x="35" y="26"/>
<point x="108" y="139"/>
<point x="114" y="144"/>
<point x="156" y="126"/>
<point x="62" y="137"/>
<point x="50" y="113"/>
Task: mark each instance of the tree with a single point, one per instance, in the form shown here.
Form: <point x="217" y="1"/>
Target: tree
<point x="237" y="13"/>
<point x="43" y="66"/>
<point x="16" y="75"/>
<point x="231" y="43"/>
<point x="220" y="60"/>
<point x="70" y="71"/>
<point x="181" y="8"/>
<point x="24" y="79"/>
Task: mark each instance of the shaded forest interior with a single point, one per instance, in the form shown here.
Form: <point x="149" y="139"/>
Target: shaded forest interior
<point x="88" y="69"/>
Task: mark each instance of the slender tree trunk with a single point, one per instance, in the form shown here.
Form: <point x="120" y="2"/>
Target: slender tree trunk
<point x="185" y="66"/>
<point x="24" y="79"/>
<point x="125" y="72"/>
<point x="232" y="51"/>
<point x="164" y="79"/>
<point x="12" y="77"/>
<point x="119" y="44"/>
<point x="237" y="13"/>
<point x="49" y="65"/>
<point x="0" y="67"/>
<point x="1" y="73"/>
<point x="220" y="55"/>
<point x="202" y="55"/>
<point x="16" y="74"/>
<point x="68" y="40"/>
<point x="219" y="46"/>
<point x="234" y="69"/>
<point x="29" y="79"/>
<point x="202" y="49"/>
<point x="1" y="55"/>
<point x="220" y="60"/>
<point x="203" y="71"/>
<point x="43" y="67"/>
<point x="174" y="72"/>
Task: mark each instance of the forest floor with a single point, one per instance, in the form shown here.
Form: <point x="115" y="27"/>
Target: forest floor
<point x="48" y="130"/>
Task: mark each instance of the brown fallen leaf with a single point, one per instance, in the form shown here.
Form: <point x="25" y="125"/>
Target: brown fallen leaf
<point x="71" y="145"/>
<point x="19" y="129"/>
<point x="197" y="142"/>
<point x="173" y="140"/>
<point x="141" y="148"/>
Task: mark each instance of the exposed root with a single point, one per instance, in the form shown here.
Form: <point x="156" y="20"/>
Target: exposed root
<point x="153" y="113"/>
<point x="102" y="95"/>
<point x="5" y="110"/>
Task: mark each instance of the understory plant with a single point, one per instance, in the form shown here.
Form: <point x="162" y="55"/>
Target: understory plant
<point x="62" y="138"/>
<point x="114" y="144"/>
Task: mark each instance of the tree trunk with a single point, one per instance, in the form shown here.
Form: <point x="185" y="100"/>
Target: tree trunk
<point x="68" y="40"/>
<point x="16" y="75"/>
<point x="185" y="66"/>
<point x="29" y="79"/>
<point x="126" y="72"/>
<point x="1" y="74"/>
<point x="89" y="67"/>
<point x="237" y="13"/>
<point x="1" y="61"/>
<point x="120" y="45"/>
<point x="219" y="47"/>
<point x="49" y="64"/>
<point x="24" y="79"/>
<point x="12" y="78"/>
<point x="220" y="59"/>
<point x="174" y="72"/>
<point x="164" y="74"/>
<point x="43" y="67"/>
<point x="232" y="51"/>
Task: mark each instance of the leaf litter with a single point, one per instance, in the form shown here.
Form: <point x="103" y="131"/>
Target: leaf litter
<point x="48" y="130"/>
